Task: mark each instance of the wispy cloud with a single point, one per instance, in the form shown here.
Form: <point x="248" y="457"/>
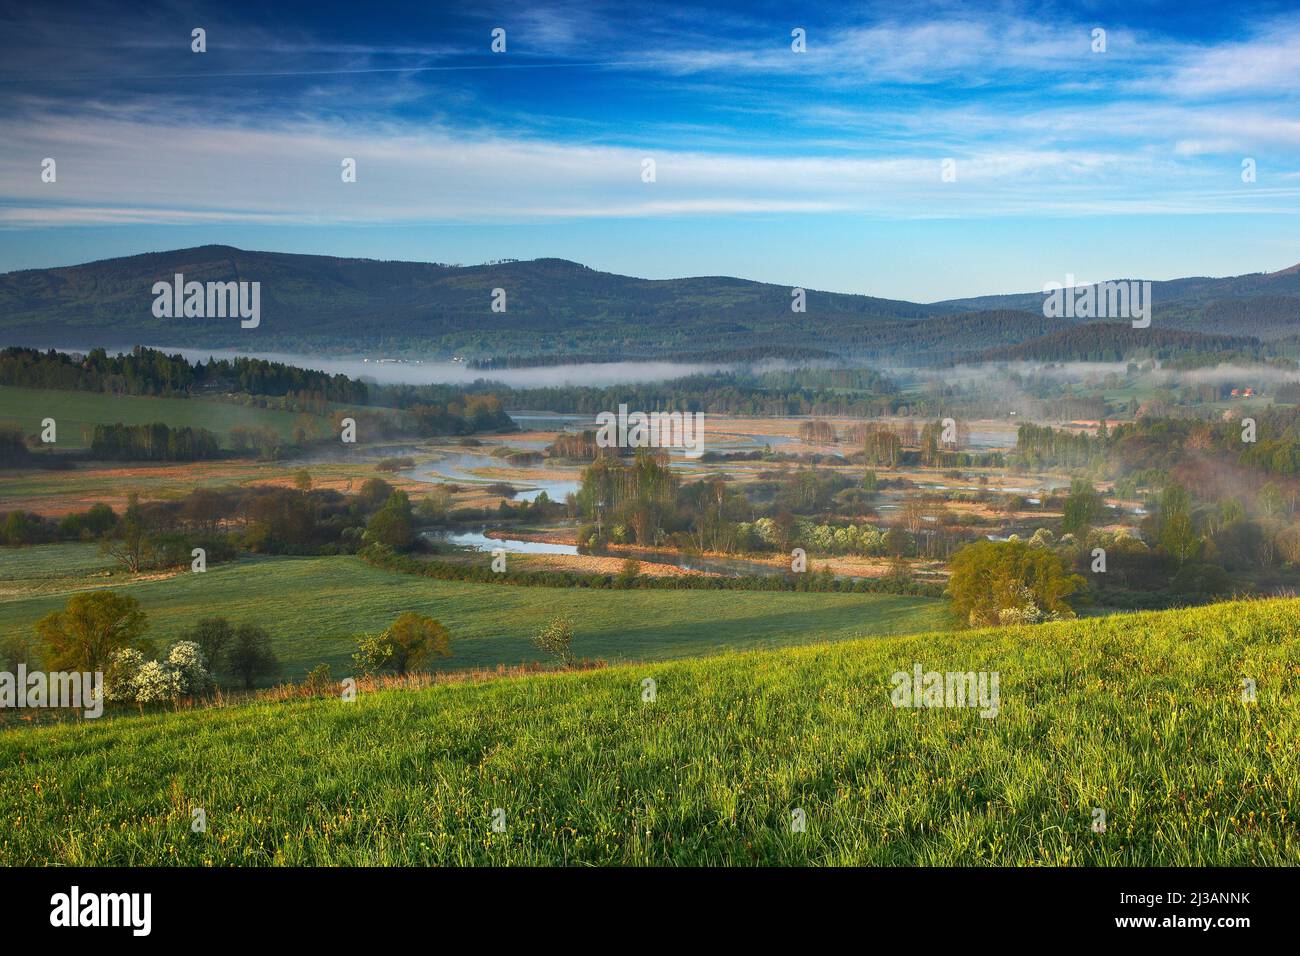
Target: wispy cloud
<point x="739" y="125"/>
<point x="112" y="169"/>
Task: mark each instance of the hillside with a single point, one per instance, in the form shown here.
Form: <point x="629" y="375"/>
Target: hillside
<point x="1114" y="342"/>
<point x="1140" y="715"/>
<point x="556" y="309"/>
<point x="364" y="303"/>
<point x="492" y="623"/>
<point x="1264" y="304"/>
<point x="949" y="338"/>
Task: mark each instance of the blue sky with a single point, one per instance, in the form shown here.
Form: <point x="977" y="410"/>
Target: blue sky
<point x="822" y="169"/>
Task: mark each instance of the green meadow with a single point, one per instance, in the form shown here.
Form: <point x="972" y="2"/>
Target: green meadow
<point x="314" y="607"/>
<point x="76" y="413"/>
<point x="1141" y="716"/>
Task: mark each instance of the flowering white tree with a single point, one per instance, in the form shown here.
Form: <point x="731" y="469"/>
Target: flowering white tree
<point x="132" y="678"/>
<point x="119" y="680"/>
<point x="186" y="659"/>
<point x="156" y="682"/>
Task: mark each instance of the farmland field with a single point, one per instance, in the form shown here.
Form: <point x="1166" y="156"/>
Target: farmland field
<point x="314" y="607"/>
<point x="76" y="413"/>
<point x="1141" y="716"/>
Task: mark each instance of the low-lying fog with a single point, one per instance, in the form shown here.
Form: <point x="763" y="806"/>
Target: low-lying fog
<point x="1254" y="374"/>
<point x="406" y="372"/>
<point x="411" y="372"/>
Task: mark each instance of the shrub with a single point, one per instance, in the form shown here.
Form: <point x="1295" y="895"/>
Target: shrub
<point x="319" y="680"/>
<point x="119" y="677"/>
<point x="374" y="651"/>
<point x="557" y="638"/>
<point x="213" y="635"/>
<point x="989" y="577"/>
<point x="391" y="524"/>
<point x="414" y="639"/>
<point x="407" y="643"/>
<point x="156" y="682"/>
<point x="186" y="659"/>
<point x="628" y="573"/>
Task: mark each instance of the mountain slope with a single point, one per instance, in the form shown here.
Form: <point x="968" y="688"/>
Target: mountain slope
<point x="323" y="301"/>
<point x="1113" y="342"/>
<point x="1140" y="715"/>
<point x="557" y="308"/>
<point x="1265" y="305"/>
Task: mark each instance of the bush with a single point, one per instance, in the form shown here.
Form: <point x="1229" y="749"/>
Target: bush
<point x="319" y="681"/>
<point x="155" y="682"/>
<point x="391" y="524"/>
<point x="213" y="635"/>
<point x="131" y="678"/>
<point x="94" y="624"/>
<point x="628" y="573"/>
<point x="557" y="638"/>
<point x="373" y="653"/>
<point x="989" y="577"/>
<point x="18" y="649"/>
<point x="186" y="659"/>
<point x="119" y="677"/>
<point x="404" y="646"/>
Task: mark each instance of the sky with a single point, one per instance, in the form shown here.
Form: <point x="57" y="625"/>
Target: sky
<point x="919" y="151"/>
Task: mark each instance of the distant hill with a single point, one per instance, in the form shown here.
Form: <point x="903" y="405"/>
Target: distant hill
<point x="940" y="339"/>
<point x="1264" y="305"/>
<point x="326" y="302"/>
<point x="556" y="308"/>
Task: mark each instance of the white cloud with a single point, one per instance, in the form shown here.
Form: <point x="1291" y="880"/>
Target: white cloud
<point x="130" y="170"/>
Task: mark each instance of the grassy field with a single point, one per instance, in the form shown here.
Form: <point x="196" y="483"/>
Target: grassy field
<point x="314" y="606"/>
<point x="1141" y="716"/>
<point x="51" y="569"/>
<point x="76" y="413"/>
<point x="57" y="492"/>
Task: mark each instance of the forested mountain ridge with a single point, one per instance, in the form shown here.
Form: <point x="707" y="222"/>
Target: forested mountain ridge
<point x="551" y="308"/>
<point x="1117" y="341"/>
<point x="328" y="302"/>
<point x="1264" y="305"/>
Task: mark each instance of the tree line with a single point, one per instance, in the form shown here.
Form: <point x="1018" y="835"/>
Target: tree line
<point x="146" y="371"/>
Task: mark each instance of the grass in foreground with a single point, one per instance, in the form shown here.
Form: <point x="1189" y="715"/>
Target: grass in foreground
<point x="1140" y="715"/>
<point x="314" y="606"/>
